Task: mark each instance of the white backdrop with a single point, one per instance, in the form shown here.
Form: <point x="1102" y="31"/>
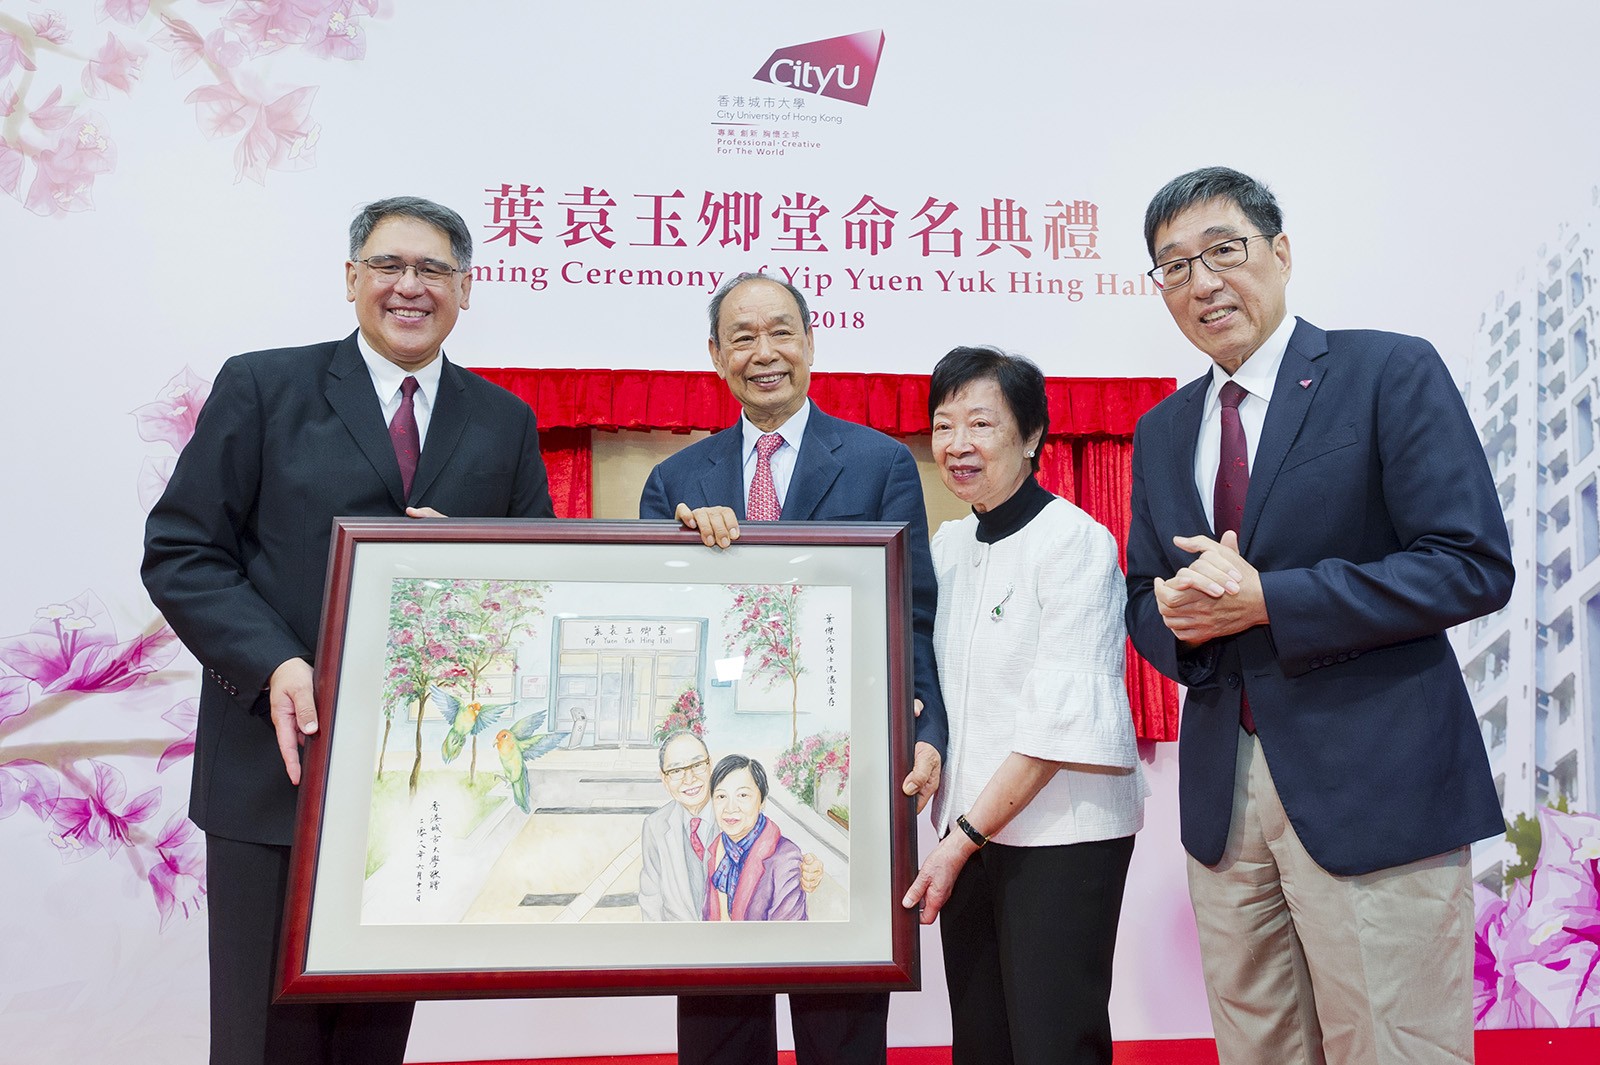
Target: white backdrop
<point x="1421" y="154"/>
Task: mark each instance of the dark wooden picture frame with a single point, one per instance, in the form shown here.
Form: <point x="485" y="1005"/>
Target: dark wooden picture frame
<point x="622" y="619"/>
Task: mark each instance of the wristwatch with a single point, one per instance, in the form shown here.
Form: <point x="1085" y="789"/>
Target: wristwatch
<point x="978" y="838"/>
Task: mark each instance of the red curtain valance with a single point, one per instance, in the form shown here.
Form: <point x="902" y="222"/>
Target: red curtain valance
<point x="897" y="404"/>
<point x="1087" y="454"/>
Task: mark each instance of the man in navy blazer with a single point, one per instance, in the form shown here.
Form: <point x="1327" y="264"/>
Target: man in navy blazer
<point x="825" y="469"/>
<point x="236" y="556"/>
<point x="1331" y="770"/>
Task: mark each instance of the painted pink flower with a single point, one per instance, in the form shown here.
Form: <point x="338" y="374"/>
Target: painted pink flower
<point x="1538" y="952"/>
<point x="50" y="26"/>
<point x="178" y="880"/>
<point x="170" y="417"/>
<point x="15" y="697"/>
<point x="127" y="12"/>
<point x="24" y="782"/>
<point x="65" y="174"/>
<point x="52" y="114"/>
<point x="117" y="65"/>
<point x="220" y="110"/>
<point x="10" y="168"/>
<point x="73" y="647"/>
<point x="281" y="137"/>
<point x="337" y="37"/>
<point x="154" y="473"/>
<point x="268" y="25"/>
<point x="189" y="48"/>
<point x="101" y="818"/>
<point x="185" y="716"/>
<point x="13" y="54"/>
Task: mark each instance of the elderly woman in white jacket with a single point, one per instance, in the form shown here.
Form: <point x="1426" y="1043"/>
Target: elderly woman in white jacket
<point x="1042" y="791"/>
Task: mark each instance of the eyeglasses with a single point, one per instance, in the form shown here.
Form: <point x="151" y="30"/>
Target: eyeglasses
<point x="1175" y="273"/>
<point x="391" y="269"/>
<point x="677" y="773"/>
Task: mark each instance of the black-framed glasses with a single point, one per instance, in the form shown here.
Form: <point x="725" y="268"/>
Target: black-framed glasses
<point x="1175" y="273"/>
<point x="391" y="268"/>
<point x="678" y="772"/>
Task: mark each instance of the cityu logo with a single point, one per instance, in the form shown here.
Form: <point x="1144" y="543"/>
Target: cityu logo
<point x="840" y="67"/>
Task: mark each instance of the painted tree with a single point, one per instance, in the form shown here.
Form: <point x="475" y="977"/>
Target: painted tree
<point x="423" y="649"/>
<point x="492" y="616"/>
<point x="763" y="622"/>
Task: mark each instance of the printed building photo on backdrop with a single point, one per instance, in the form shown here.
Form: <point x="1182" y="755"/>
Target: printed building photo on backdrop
<point x="678" y="760"/>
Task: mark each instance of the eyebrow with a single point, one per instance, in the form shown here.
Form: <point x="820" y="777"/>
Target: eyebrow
<point x="989" y="411"/>
<point x="748" y="325"/>
<point x="1212" y="235"/>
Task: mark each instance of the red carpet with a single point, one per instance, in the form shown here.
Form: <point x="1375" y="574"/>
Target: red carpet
<point x="1534" y="1046"/>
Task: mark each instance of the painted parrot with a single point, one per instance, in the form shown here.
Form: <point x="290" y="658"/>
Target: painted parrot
<point x="519" y="745"/>
<point x="466" y="719"/>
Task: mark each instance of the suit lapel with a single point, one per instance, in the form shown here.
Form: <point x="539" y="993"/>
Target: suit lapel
<point x="350" y="393"/>
<point x="815" y="468"/>
<point x="724" y="474"/>
<point x="1299" y="376"/>
<point x="445" y="426"/>
<point x="1178" y="471"/>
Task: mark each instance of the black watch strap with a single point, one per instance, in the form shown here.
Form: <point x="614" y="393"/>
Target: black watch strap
<point x="978" y="838"/>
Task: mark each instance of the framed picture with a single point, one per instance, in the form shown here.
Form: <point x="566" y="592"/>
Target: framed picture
<point x="597" y="757"/>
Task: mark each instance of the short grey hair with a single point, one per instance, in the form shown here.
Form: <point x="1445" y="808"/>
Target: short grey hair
<point x="436" y="215"/>
<point x="755" y="275"/>
<point x="1252" y="197"/>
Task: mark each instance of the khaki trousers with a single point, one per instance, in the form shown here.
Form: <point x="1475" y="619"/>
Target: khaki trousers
<point x="1304" y="967"/>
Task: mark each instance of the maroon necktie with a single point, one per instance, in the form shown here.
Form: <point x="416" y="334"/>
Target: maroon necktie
<point x="763" y="505"/>
<point x="403" y="434"/>
<point x="694" y="839"/>
<point x="1227" y="496"/>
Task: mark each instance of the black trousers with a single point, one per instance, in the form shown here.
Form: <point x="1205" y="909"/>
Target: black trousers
<point x="849" y="1028"/>
<point x="245" y="888"/>
<point x="1028" y="935"/>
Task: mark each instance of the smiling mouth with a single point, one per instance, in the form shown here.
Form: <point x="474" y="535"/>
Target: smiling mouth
<point x="767" y="380"/>
<point x="409" y="314"/>
<point x="1214" y="316"/>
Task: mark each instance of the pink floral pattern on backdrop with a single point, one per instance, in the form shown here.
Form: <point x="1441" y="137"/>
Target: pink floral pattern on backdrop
<point x="1537" y="951"/>
<point x="103" y="797"/>
<point x="53" y="148"/>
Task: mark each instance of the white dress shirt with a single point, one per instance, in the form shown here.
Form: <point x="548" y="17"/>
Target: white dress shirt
<point x="1256" y="376"/>
<point x="783" y="459"/>
<point x="387" y="379"/>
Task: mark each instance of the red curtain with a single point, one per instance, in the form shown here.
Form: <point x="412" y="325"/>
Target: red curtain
<point x="1086" y="455"/>
<point x="569" y="461"/>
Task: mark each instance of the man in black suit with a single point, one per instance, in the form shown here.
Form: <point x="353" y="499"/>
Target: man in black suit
<point x="377" y="424"/>
<point x="820" y="469"/>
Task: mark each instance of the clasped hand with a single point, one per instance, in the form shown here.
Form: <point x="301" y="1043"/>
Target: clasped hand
<point x="1217" y="594"/>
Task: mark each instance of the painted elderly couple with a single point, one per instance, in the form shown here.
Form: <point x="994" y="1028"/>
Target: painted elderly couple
<point x="712" y="853"/>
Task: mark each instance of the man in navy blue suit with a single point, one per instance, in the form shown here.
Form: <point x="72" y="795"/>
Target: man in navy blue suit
<point x="1309" y="518"/>
<point x="812" y="468"/>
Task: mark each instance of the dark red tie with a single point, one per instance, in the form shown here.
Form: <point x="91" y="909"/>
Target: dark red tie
<point x="694" y="839"/>
<point x="1227" y="496"/>
<point x="403" y="434"/>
